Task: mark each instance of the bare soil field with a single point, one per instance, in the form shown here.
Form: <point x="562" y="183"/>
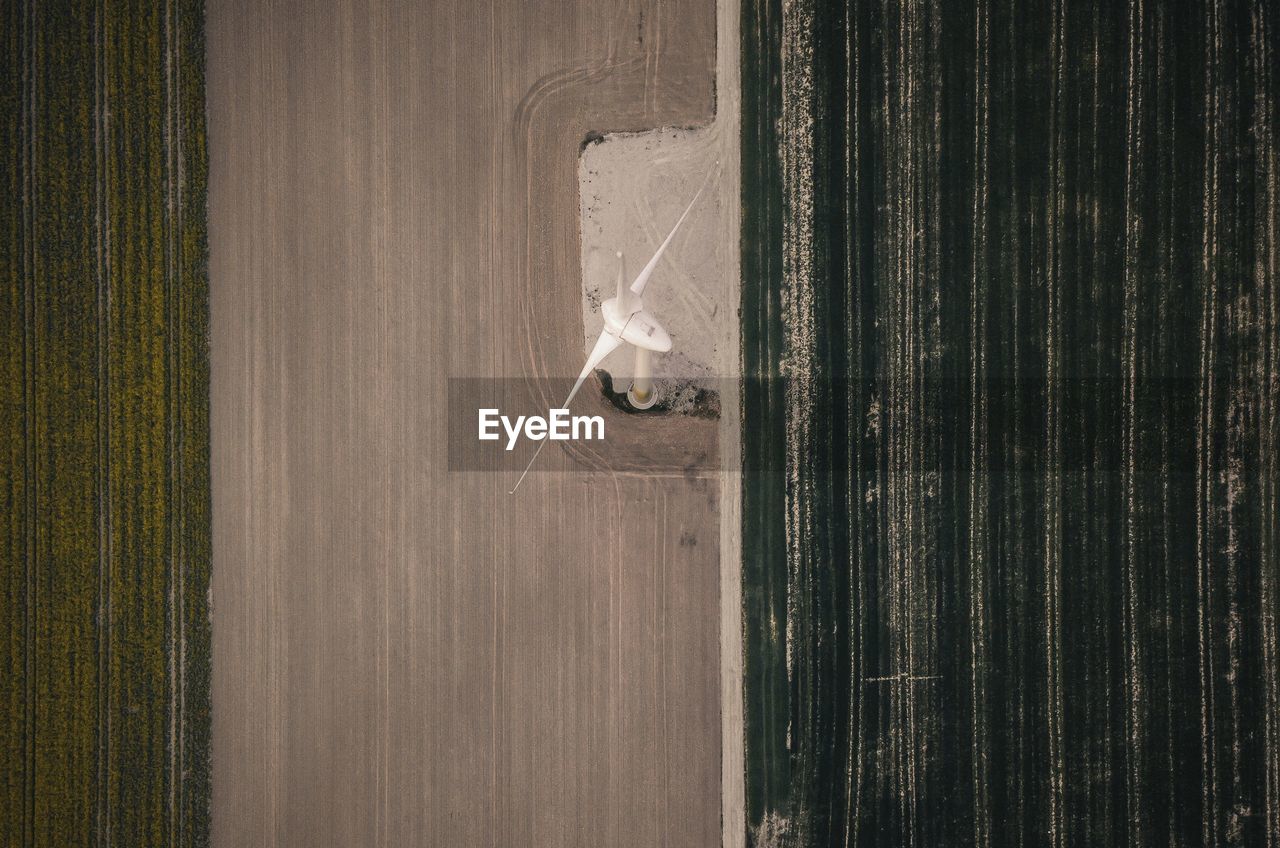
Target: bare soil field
<point x="404" y="654"/>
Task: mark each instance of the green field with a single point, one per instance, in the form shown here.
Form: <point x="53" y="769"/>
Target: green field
<point x="104" y="404"/>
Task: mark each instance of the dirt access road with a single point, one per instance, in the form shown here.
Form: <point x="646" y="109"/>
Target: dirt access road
<point x="405" y="655"/>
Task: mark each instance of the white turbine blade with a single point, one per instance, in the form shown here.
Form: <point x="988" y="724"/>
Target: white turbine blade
<point x="628" y="303"/>
<point x="527" y="467"/>
<point x="605" y="345"/>
<point x="641" y="281"/>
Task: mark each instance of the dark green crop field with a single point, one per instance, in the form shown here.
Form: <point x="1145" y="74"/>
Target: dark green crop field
<point x="104" y="531"/>
<point x="1010" y="311"/>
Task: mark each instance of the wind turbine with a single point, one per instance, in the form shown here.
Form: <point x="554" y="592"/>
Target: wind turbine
<point x="626" y="320"/>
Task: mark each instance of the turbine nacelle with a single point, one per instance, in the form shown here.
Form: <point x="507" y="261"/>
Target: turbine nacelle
<point x="625" y="318"/>
<point x="643" y="331"/>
